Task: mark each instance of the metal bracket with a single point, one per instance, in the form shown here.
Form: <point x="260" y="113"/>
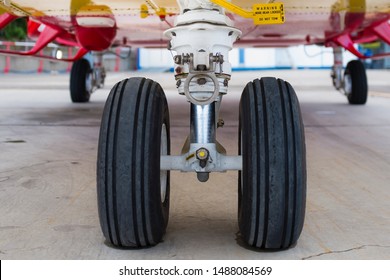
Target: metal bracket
<point x="192" y="161"/>
<point x="345" y="41"/>
<point x="201" y="75"/>
<point x="5" y="19"/>
<point x="207" y="72"/>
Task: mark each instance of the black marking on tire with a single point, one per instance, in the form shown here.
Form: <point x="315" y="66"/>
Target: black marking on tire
<point x="106" y="166"/>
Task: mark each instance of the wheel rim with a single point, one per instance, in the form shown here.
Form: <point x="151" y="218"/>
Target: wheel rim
<point x="347" y="84"/>
<point x="241" y="177"/>
<point x="88" y="81"/>
<point x="164" y="173"/>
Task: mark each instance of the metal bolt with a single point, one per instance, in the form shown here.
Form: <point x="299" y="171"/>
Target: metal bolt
<point x="201" y="81"/>
<point x="178" y="70"/>
<point x="202" y="155"/>
<point x="220" y="123"/>
<point x="186" y="58"/>
<point x="177" y="59"/>
<point x="217" y="58"/>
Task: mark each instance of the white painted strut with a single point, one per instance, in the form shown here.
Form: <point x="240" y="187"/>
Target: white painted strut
<point x="202" y="38"/>
<point x="196" y="4"/>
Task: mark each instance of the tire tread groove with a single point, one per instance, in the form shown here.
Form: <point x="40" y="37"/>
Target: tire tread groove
<point x="143" y="142"/>
<point x="114" y="155"/>
<point x="266" y="165"/>
<point x="133" y="166"/>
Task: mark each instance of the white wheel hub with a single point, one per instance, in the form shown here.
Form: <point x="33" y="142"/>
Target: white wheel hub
<point x="347" y="84"/>
<point x="164" y="173"/>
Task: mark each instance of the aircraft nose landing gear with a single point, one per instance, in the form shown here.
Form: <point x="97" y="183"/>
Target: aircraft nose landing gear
<point x="133" y="164"/>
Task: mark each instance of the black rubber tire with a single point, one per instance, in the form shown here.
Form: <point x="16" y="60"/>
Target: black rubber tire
<point x="78" y="75"/>
<point x="272" y="183"/>
<point x="131" y="210"/>
<point x="359" y="90"/>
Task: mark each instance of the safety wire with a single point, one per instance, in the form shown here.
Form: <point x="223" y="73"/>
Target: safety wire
<point x="118" y="55"/>
<point x="313" y="55"/>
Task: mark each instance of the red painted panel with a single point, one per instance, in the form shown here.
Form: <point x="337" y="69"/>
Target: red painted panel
<point x="94" y="38"/>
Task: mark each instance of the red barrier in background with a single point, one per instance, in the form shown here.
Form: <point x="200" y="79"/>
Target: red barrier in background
<point x="117" y="60"/>
<point x="40" y="67"/>
<point x="7" y="66"/>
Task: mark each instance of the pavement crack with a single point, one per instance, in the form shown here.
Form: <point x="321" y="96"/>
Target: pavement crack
<point x="3" y="179"/>
<point x="32" y="165"/>
<point x="344" y="251"/>
<point x="25" y="167"/>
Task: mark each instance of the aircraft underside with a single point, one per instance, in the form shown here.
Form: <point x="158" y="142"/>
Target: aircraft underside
<point x="134" y="159"/>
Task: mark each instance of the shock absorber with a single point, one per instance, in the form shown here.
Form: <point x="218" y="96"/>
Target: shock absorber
<point x="202" y="38"/>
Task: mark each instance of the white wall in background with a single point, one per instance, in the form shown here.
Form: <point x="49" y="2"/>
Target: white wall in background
<point x="294" y="57"/>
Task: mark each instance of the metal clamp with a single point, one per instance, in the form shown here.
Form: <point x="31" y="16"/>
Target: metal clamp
<point x="194" y="100"/>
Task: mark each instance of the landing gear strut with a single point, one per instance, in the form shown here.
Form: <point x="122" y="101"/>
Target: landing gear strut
<point x="134" y="160"/>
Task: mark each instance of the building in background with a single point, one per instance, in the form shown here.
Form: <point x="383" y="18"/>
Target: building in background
<point x="124" y="59"/>
<point x="300" y="57"/>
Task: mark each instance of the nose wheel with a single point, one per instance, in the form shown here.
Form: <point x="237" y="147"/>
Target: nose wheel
<point x="133" y="193"/>
<point x="272" y="183"/>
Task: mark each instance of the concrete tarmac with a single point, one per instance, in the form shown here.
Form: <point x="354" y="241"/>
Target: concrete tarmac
<point x="48" y="152"/>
